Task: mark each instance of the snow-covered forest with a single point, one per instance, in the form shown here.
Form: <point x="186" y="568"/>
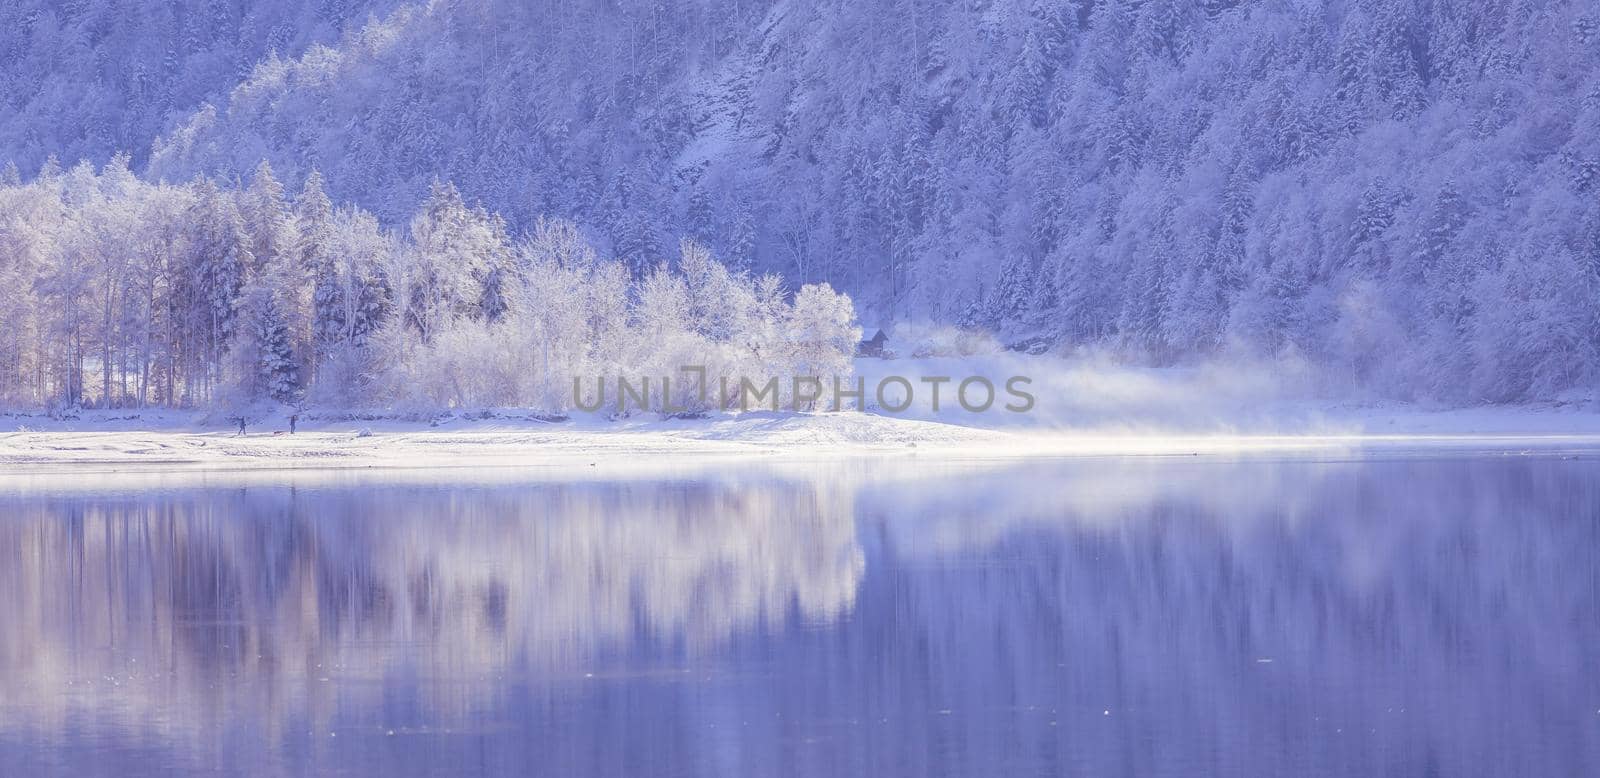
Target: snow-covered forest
<point x="1403" y="193"/>
<point x="127" y="294"/>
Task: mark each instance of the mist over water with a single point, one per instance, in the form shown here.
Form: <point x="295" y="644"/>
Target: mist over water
<point x="1402" y="615"/>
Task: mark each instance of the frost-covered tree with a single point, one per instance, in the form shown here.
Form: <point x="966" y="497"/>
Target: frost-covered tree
<point x="351" y="301"/>
<point x="264" y="352"/>
<point x="214" y="268"/>
<point x="822" y="332"/>
<point x="458" y="257"/>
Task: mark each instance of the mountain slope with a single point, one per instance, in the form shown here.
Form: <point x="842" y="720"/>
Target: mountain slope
<point x="86" y="79"/>
<point x="1403" y="191"/>
<point x="555" y="108"/>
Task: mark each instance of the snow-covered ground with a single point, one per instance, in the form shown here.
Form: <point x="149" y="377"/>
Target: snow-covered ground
<point x="1081" y="408"/>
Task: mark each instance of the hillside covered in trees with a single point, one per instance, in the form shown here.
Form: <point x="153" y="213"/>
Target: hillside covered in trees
<point x="87" y="79"/>
<point x="1405" y="193"/>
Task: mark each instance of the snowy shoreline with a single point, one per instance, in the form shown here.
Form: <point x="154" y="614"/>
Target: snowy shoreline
<point x="1085" y="407"/>
<point x="95" y="441"/>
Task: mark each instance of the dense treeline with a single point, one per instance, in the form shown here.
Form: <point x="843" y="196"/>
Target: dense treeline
<point x="121" y="293"/>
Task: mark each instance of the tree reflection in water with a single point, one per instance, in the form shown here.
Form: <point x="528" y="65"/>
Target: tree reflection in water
<point x="1110" y="617"/>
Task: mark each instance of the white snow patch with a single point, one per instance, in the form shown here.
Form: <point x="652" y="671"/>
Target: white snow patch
<point x="1083" y="408"/>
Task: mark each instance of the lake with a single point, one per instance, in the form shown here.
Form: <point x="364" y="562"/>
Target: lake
<point x="1368" y="614"/>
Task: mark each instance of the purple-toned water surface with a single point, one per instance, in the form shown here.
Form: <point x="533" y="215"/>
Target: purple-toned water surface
<point x="1376" y="616"/>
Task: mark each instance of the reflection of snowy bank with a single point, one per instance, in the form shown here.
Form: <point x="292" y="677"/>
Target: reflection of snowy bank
<point x="251" y="606"/>
<point x="1409" y="616"/>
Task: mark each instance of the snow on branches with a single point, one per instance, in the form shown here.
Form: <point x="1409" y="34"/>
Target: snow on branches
<point x="133" y="294"/>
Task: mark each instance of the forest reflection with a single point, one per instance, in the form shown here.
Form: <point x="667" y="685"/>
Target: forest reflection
<point x="1374" y="616"/>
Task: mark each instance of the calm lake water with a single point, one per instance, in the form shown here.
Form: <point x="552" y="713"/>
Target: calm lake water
<point x="1400" y="615"/>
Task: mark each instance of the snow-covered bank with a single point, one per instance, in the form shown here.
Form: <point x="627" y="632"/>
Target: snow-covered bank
<point x="454" y="441"/>
<point x="1080" y="407"/>
<point x="168" y="441"/>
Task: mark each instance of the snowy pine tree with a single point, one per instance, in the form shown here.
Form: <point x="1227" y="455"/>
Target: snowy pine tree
<point x="271" y="369"/>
